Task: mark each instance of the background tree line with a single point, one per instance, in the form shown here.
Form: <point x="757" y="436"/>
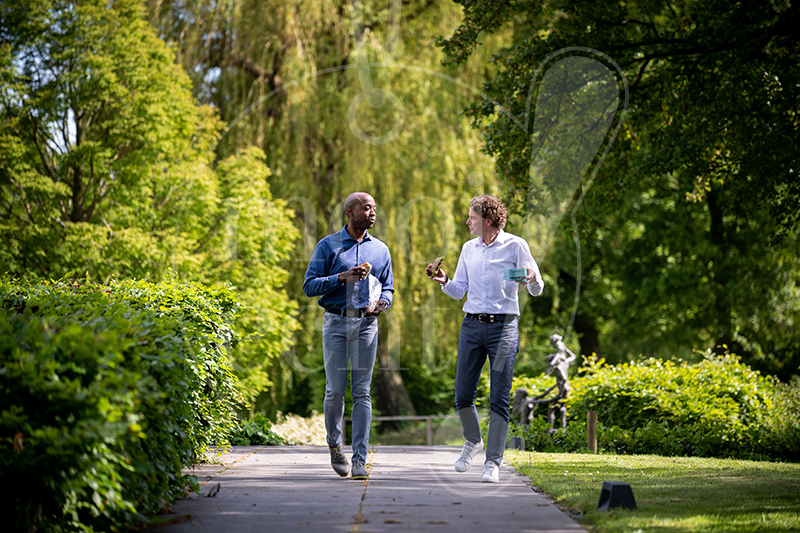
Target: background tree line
<point x="241" y="56"/>
<point x="212" y="139"/>
<point x="691" y="223"/>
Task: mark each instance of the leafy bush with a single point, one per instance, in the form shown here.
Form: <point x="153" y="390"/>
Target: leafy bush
<point x="255" y="432"/>
<point x="106" y="393"/>
<point x="534" y="385"/>
<point x="431" y="387"/>
<point x="717" y="407"/>
<point x="538" y="438"/>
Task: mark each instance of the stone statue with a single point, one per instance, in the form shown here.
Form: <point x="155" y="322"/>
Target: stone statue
<point x="559" y="366"/>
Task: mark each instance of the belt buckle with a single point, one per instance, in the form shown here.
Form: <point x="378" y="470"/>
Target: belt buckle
<point x="483" y="318"/>
<point x="352" y="313"/>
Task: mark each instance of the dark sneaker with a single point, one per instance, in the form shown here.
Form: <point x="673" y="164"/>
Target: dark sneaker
<point x="339" y="462"/>
<point x="359" y="471"/>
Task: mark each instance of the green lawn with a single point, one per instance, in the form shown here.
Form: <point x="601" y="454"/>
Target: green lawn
<point x="673" y="494"/>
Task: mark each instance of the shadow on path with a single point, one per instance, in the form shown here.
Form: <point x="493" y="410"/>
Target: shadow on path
<point x="411" y="488"/>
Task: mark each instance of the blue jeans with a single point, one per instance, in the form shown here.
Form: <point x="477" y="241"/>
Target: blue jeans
<point x="500" y="342"/>
<point x="353" y="340"/>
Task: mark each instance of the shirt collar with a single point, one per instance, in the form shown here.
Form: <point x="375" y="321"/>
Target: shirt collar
<point x="346" y="236"/>
<point x="501" y="237"/>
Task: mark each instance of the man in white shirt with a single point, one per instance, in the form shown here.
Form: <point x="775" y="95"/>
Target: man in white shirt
<point x="490" y="327"/>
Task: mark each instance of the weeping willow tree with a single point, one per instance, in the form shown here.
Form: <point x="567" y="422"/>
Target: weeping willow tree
<point x="344" y="97"/>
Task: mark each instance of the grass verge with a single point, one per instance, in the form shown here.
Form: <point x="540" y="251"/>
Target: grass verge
<point x="673" y="494"/>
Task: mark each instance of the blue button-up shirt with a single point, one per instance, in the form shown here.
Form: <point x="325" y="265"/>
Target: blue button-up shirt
<point x="339" y="252"/>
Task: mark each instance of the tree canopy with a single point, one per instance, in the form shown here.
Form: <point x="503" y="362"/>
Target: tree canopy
<point x="692" y="220"/>
<point x="215" y="140"/>
<point x="107" y="168"/>
<point x="284" y="77"/>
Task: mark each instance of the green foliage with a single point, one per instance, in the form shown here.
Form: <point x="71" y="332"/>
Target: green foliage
<point x="534" y="385"/>
<point x="104" y="149"/>
<point x="317" y="161"/>
<point x="718" y="407"/>
<point x="255" y="431"/>
<point x="674" y="88"/>
<point x="256" y="236"/>
<point x="107" y="168"/>
<point x="432" y="392"/>
<point x="688" y="234"/>
<point x="716" y="391"/>
<point x="538" y="438"/>
<point x="107" y="393"/>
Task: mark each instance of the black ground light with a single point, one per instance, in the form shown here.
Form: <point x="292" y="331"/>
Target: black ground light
<point x="616" y="494"/>
<point x="516" y="443"/>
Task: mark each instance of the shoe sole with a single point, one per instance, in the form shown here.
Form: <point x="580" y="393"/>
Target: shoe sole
<point x="465" y="469"/>
<point x="344" y="473"/>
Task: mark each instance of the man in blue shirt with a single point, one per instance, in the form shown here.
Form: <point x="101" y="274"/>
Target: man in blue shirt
<point x="342" y="268"/>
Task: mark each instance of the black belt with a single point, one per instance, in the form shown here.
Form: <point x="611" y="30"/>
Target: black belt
<point x="484" y="318"/>
<point x="351" y="313"/>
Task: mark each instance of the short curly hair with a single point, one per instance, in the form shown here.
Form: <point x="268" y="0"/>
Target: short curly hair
<point x="490" y="209"/>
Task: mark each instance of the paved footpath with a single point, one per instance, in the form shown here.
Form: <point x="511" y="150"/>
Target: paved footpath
<point x="411" y="488"/>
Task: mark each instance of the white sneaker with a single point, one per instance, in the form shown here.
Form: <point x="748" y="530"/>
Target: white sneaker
<point x="468" y="453"/>
<point x="491" y="473"/>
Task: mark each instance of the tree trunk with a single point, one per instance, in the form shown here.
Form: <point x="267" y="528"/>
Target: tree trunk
<point x="584" y="326"/>
<point x="587" y="333"/>
<point x="721" y="273"/>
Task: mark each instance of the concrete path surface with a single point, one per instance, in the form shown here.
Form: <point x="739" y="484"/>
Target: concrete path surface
<point x="411" y="488"/>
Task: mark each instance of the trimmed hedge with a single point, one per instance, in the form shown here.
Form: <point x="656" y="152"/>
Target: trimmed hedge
<point x="718" y="407"/>
<point x="106" y="393"/>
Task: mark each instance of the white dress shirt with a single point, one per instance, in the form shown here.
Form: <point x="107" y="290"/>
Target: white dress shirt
<point x="479" y="273"/>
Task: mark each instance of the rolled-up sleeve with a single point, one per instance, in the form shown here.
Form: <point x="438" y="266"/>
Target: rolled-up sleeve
<point x="316" y="282"/>
<point x="525" y="259"/>
<point x="387" y="281"/>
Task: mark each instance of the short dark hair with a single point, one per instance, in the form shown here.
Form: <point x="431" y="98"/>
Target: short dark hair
<point x="491" y="209"/>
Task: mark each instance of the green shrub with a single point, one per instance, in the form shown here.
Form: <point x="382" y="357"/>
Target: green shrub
<point x="106" y="393"/>
<point x="538" y="438"/>
<point x="718" y="407"/>
<point x="256" y="431"/>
